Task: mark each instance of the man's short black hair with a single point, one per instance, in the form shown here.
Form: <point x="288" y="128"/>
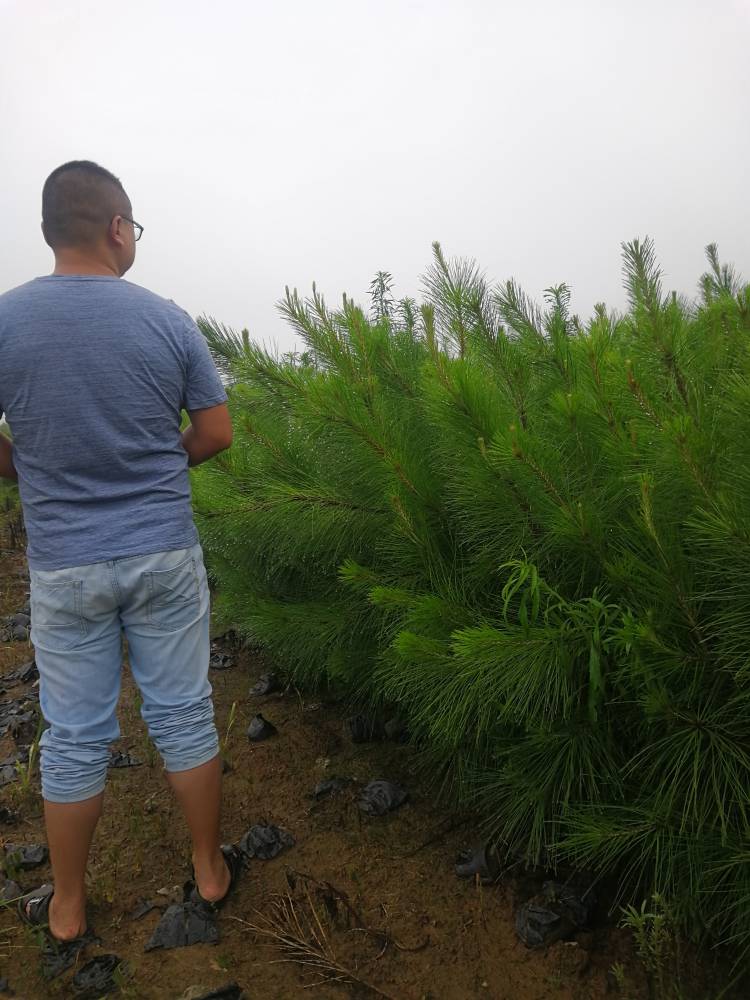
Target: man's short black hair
<point x="79" y="200"/>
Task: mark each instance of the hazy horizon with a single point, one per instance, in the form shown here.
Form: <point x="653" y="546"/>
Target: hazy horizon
<point x="269" y="147"/>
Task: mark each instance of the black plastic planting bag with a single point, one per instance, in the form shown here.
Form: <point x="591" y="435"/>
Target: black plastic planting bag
<point x="184" y="924"/>
<point x="231" y="991"/>
<point x="99" y="976"/>
<point x="260" y="729"/>
<point x="331" y="786"/>
<point x="538" y="926"/>
<point x="8" y="773"/>
<point x="221" y="661"/>
<point x="267" y="684"/>
<point x="24" y="674"/>
<point x="561" y="910"/>
<point x="265" y="842"/>
<point x="57" y="956"/>
<point x="26" y="856"/>
<point x="380" y="797"/>
<point x="573" y="901"/>
<point x="480" y="861"/>
<point x="363" y="728"/>
<point x="117" y="758"/>
<point x="9" y="890"/>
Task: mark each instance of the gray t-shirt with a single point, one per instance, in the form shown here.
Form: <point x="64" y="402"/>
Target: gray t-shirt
<point x="94" y="373"/>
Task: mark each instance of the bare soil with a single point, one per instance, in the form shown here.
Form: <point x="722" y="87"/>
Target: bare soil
<point x="439" y="938"/>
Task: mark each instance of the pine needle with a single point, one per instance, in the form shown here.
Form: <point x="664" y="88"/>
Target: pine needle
<point x="296" y="928"/>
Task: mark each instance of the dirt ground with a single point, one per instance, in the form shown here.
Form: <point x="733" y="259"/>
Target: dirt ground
<point x="438" y="938"/>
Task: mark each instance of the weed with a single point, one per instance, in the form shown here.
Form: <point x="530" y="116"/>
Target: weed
<point x="26" y="771"/>
<point x="658" y="947"/>
<point x="12" y="869"/>
<point x="147" y="749"/>
<point x="617" y="971"/>
<point x="231" y="719"/>
<point x="123" y="979"/>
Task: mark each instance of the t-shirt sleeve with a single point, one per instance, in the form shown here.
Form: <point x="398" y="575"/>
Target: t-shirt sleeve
<point x="203" y="386"/>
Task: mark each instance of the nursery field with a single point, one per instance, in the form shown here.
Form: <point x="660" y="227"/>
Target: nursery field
<point x="497" y="560"/>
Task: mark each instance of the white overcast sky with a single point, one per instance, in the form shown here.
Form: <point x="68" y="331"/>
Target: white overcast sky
<point x="292" y="141"/>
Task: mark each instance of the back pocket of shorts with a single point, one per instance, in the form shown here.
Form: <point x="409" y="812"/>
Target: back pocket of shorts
<point x="57" y="621"/>
<point x="173" y="596"/>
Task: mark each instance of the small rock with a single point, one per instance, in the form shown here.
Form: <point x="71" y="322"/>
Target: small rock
<point x="172" y="894"/>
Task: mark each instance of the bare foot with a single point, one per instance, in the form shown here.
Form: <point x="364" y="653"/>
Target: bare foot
<point x="212" y="879"/>
<point x="67" y="921"/>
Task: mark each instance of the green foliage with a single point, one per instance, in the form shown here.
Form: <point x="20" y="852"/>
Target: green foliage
<point x="9" y="498"/>
<point x="12" y="532"/>
<point x="533" y="535"/>
<point x="658" y="946"/>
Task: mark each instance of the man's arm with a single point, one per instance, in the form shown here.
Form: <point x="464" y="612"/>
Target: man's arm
<point x="7" y="468"/>
<point x="210" y="432"/>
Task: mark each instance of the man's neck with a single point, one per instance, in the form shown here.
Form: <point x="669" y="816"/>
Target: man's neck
<point x="78" y="262"/>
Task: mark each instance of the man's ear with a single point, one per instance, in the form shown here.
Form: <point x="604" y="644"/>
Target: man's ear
<point x="114" y="230"/>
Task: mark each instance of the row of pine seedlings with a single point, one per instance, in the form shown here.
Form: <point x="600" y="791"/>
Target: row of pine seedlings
<point x="531" y="535"/>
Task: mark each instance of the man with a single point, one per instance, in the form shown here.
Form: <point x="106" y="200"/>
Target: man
<point x="94" y="374"/>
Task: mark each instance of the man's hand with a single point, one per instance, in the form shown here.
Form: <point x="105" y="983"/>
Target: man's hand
<point x="7" y="468"/>
<point x="210" y="432"/>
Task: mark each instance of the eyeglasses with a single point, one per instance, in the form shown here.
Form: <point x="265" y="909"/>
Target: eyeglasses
<point x="137" y="228"/>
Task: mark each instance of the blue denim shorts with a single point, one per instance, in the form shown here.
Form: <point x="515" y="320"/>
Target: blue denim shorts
<point x="161" y="603"/>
